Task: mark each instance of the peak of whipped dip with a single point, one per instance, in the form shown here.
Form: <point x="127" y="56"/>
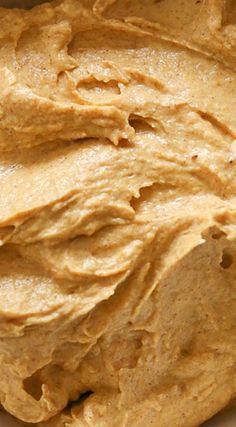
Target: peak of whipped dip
<point x="118" y="212"/>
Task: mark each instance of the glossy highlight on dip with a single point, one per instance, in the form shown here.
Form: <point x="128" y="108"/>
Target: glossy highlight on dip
<point x="118" y="212"/>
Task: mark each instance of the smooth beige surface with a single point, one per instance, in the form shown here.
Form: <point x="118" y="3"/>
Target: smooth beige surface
<point x="118" y="212"/>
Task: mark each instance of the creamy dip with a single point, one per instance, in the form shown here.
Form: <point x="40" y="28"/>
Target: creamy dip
<point x="118" y="212"/>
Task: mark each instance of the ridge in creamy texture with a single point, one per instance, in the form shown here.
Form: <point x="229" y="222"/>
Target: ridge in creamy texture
<point x="118" y="212"/>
